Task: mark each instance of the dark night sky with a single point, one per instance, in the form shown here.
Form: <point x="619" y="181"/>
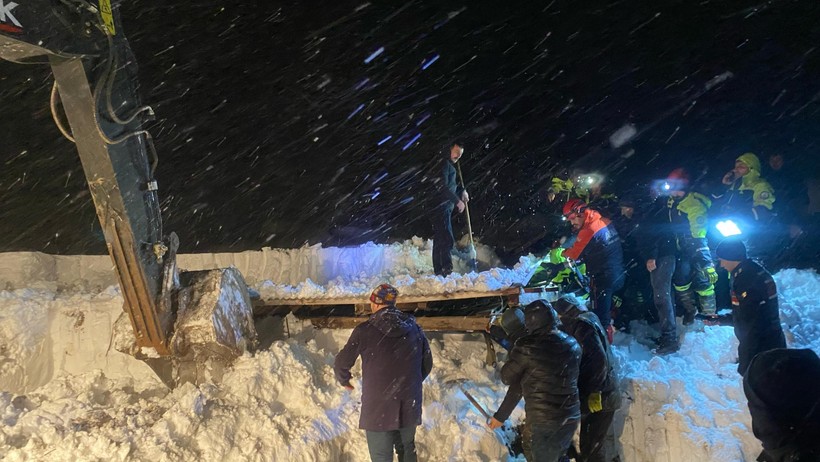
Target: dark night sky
<point x="268" y="118"/>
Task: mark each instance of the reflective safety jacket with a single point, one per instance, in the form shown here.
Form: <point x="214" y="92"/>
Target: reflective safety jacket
<point x="750" y="194"/>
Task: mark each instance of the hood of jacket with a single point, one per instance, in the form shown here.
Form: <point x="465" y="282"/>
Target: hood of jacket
<point x="392" y="322"/>
<point x="751" y="161"/>
<point x="591" y="216"/>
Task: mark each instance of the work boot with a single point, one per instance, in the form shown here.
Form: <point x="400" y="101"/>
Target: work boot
<point x="690" y="307"/>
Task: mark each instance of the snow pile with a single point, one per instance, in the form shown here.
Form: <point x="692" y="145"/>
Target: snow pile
<point x="69" y="396"/>
<point x="279" y="404"/>
<point x="798" y="302"/>
<point x="307" y="272"/>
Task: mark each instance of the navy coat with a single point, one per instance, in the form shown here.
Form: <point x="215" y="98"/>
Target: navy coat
<point x="396" y="359"/>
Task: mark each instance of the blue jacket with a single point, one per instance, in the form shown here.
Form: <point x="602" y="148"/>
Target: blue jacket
<point x="396" y="359"/>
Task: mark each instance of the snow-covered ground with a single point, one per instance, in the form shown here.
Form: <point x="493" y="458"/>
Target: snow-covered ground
<point x="67" y="394"/>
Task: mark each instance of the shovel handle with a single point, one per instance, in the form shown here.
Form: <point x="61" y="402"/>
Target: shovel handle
<point x="475" y="403"/>
<point x="466" y="206"/>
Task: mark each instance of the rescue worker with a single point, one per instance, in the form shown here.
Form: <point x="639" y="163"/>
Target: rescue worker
<point x="599" y="246"/>
<point x="449" y="196"/>
<point x="545" y="364"/>
<point x="748" y="193"/>
<point x="586" y="187"/>
<point x="755" y="312"/>
<point x="634" y="302"/>
<point x="783" y="390"/>
<point x="749" y="203"/>
<point x="680" y="256"/>
<point x="597" y="384"/>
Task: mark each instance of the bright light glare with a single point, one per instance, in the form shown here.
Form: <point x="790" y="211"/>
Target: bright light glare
<point x="728" y="228"/>
<point x="667" y="186"/>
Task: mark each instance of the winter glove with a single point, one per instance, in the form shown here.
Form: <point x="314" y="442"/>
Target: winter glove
<point x="594" y="402"/>
<point x="711" y="275"/>
<point x="557" y="255"/>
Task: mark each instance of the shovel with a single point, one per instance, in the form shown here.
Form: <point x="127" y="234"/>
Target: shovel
<point x="473" y="260"/>
<point x="481" y="411"/>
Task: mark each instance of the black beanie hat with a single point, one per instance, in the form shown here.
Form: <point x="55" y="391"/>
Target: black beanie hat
<point x="731" y="249"/>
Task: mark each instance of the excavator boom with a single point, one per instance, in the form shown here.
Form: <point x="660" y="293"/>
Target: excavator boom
<point x="84" y="43"/>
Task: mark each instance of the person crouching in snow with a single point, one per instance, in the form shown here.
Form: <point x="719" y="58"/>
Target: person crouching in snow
<point x="755" y="312"/>
<point x="396" y="359"/>
<point x="544" y="365"/>
<point x="597" y="383"/>
<point x="599" y="246"/>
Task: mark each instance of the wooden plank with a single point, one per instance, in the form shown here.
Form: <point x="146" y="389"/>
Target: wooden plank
<point x="428" y="323"/>
<point x="510" y="291"/>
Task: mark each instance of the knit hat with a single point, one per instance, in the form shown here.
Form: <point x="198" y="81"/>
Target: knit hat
<point x="385" y="294"/>
<point x="731" y="250"/>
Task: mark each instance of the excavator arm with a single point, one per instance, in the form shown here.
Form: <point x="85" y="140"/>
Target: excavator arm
<point x="83" y="43"/>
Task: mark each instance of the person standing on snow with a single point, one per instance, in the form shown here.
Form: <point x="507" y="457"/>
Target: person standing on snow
<point x="634" y="302"/>
<point x="396" y="359"/>
<point x="680" y="256"/>
<point x="599" y="246"/>
<point x="755" y="312"/>
<point x="544" y="365"/>
<point x="597" y="383"/>
<point x="450" y="195"/>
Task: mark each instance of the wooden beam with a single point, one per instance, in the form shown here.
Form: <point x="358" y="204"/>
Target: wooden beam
<point x="509" y="291"/>
<point x="428" y="323"/>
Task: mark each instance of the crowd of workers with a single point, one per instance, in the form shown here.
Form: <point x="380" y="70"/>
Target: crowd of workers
<point x="559" y="358"/>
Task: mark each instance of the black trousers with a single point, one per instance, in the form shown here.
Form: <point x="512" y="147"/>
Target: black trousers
<point x="443" y="241"/>
<point x="594" y="427"/>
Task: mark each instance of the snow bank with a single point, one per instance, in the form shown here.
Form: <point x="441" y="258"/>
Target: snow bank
<point x="274" y="269"/>
<point x="69" y="396"/>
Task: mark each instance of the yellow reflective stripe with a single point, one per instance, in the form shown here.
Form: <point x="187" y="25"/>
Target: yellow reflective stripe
<point x="682" y="288"/>
<point x="706" y="292"/>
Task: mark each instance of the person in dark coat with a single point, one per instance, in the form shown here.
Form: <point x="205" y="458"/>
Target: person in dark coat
<point x="755" y="312"/>
<point x="544" y="364"/>
<point x="635" y="299"/>
<point x="396" y="359"/>
<point x="783" y="390"/>
<point x="449" y="196"/>
<point x="599" y="246"/>
<point x="597" y="384"/>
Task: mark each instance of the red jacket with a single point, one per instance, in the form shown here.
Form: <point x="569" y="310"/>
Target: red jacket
<point x="599" y="246"/>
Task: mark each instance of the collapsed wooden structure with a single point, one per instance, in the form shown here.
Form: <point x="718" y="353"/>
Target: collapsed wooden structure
<point x="434" y="312"/>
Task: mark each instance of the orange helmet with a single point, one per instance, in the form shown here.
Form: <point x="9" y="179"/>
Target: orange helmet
<point x="574" y="207"/>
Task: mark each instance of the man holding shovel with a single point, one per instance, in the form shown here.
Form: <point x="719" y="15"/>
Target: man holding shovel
<point x="544" y="366"/>
<point x="449" y="196"/>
